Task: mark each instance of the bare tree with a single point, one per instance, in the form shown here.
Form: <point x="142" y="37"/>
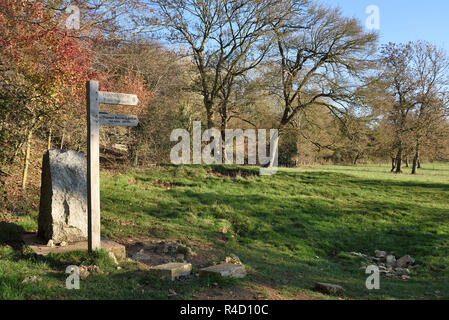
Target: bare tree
<point x="224" y="38"/>
<point x="431" y="66"/>
<point x="320" y="58"/>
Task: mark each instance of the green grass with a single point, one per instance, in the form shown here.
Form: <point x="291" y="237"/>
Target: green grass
<point x="289" y="229"/>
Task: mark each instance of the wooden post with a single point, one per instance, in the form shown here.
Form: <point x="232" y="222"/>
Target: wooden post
<point x="94" y="120"/>
<point x="93" y="166"/>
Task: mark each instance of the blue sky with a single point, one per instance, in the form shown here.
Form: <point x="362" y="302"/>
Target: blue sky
<point x="404" y="20"/>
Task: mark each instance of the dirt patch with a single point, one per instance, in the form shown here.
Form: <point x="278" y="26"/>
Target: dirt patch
<point x="164" y="184"/>
<point x="232" y="173"/>
<point x="154" y="252"/>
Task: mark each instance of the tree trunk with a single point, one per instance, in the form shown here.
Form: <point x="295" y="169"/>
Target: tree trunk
<point x="393" y="164"/>
<point x="49" y="139"/>
<point x="62" y="141"/>
<point x="17" y="148"/>
<point x="406" y="162"/>
<point x="27" y="158"/>
<point x="136" y="156"/>
<point x="356" y="159"/>
<point x="209" y="112"/>
<point x="399" y="160"/>
<point x="223" y="126"/>
<point x="415" y="159"/>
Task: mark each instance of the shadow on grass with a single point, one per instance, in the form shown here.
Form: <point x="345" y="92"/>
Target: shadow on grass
<point x="10" y="235"/>
<point x="279" y="234"/>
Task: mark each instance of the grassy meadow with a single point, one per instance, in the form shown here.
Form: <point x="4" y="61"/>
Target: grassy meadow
<point x="289" y="229"/>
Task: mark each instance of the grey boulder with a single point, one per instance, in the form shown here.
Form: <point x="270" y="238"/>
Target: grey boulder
<point x="63" y="202"/>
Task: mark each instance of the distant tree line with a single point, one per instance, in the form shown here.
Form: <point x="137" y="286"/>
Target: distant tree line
<point x="307" y="70"/>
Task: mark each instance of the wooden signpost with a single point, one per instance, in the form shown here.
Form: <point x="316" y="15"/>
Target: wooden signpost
<point x="95" y="119"/>
<point x="123" y="120"/>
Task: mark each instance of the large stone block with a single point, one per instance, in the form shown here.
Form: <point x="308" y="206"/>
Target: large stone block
<point x="171" y="270"/>
<point x="63" y="202"/>
<point x="224" y="270"/>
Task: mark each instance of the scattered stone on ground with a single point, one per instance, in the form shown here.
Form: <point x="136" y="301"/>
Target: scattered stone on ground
<point x="388" y="266"/>
<point x="172" y="270"/>
<point x="141" y="257"/>
<point x="390" y="260"/>
<point x="63" y="244"/>
<point x="167" y="247"/>
<point x="154" y="253"/>
<point x="171" y="292"/>
<point x="50" y="243"/>
<point x="63" y="202"/>
<point x="85" y="271"/>
<point x="232" y="258"/>
<point x="225" y="270"/>
<point x="405" y="261"/>
<point x="31" y="279"/>
<point x="328" y="288"/>
<point x="380" y="254"/>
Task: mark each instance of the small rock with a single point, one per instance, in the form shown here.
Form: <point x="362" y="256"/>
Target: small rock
<point x="63" y="244"/>
<point x="171" y="292"/>
<point x="94" y="269"/>
<point x="233" y="259"/>
<point x="402" y="271"/>
<point x="405" y="277"/>
<point x="50" y="243"/>
<point x="391" y="259"/>
<point x="380" y="254"/>
<point x="328" y="288"/>
<point x="119" y="268"/>
<point x="405" y="261"/>
<point x="31" y="279"/>
<point x="84" y="273"/>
